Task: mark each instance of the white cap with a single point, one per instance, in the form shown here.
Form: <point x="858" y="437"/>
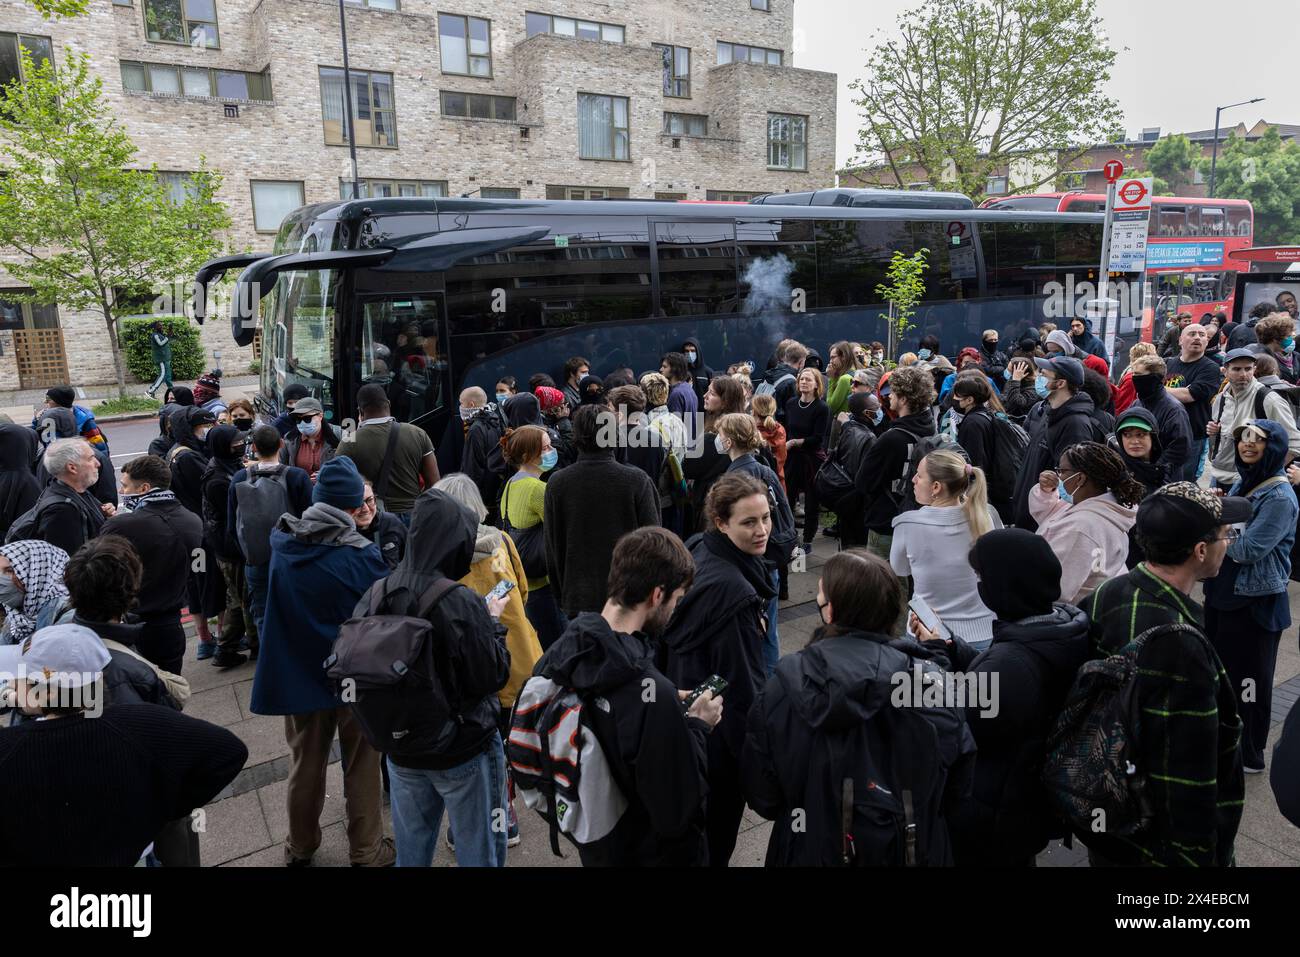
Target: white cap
<point x="69" y="656"/>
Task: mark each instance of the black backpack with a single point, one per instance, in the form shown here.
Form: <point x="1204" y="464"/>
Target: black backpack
<point x="1010" y="442"/>
<point x="262" y="498"/>
<point x="902" y="492"/>
<point x="383" y="666"/>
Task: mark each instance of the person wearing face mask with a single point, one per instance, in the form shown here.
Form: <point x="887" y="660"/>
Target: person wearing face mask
<point x="285" y="423"/>
<point x="31" y="588"/>
<point x="528" y="449"/>
<point x="1171" y="417"/>
<point x="188" y="459"/>
<point x="720" y="628"/>
<point x="978" y="403"/>
<point x="1246" y="606"/>
<point x="317" y="441"/>
<point x="1125" y="395"/>
<point x="1276" y="336"/>
<point x="828" y="713"/>
<point x="1244" y="400"/>
<point x="992" y="359"/>
<point x="506" y="387"/>
<point x="242" y="415"/>
<point x="1062" y="418"/>
<point x="742" y="441"/>
<point x="701" y="374"/>
<point x="1039" y="644"/>
<point x="1190" y="725"/>
<point x="704" y="464"/>
<point x="1085" y="510"/>
<point x="238" y="629"/>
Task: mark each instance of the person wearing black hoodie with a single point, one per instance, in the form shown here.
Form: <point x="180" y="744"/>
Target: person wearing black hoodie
<point x="992" y="359"/>
<point x="1063" y="418"/>
<point x="720" y="628"/>
<point x="1038" y="647"/>
<point x="701" y="374"/>
<point x="18" y="487"/>
<point x="1172" y="423"/>
<point x="188" y="459"/>
<point x="827" y="723"/>
<point x="228" y="445"/>
<point x="881" y="477"/>
<point x="656" y="749"/>
<point x="1081" y="335"/>
<point x="466" y="777"/>
<point x="857" y="435"/>
<point x="481" y="459"/>
<point x="1137" y="441"/>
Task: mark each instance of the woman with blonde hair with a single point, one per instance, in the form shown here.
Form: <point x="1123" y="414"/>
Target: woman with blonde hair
<point x="1125" y="393"/>
<point x="773" y="432"/>
<point x="932" y="543"/>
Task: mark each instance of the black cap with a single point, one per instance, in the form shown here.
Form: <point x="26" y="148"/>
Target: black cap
<point x="1182" y="514"/>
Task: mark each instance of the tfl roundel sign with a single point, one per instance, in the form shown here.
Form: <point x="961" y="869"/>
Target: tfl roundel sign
<point x="1113" y="170"/>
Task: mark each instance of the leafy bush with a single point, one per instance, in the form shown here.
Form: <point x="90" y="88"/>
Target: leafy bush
<point x="187" y="347"/>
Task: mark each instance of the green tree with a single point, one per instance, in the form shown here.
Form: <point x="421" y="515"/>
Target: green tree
<point x="88" y="231"/>
<point x="60" y="8"/>
<point x="1171" y="162"/>
<point x="1266" y="172"/>
<point x="970" y="87"/>
<point x="903" y="290"/>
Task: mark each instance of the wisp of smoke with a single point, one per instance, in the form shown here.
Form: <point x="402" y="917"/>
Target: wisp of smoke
<point x="769" y="286"/>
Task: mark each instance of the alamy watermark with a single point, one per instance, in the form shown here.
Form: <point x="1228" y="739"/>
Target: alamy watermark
<point x="921" y="688"/>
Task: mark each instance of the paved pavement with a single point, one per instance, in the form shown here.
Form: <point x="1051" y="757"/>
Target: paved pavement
<point x="247" y="824"/>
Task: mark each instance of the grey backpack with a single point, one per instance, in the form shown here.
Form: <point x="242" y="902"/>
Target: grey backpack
<point x="262" y="498"/>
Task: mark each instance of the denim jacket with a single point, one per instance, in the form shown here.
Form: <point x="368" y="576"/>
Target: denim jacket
<point x="1264" y="549"/>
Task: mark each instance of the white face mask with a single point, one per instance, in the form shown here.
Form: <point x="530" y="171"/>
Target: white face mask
<point x="721" y="444"/>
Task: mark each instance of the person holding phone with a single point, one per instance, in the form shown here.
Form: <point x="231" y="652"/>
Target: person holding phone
<point x="822" y="719"/>
<point x="720" y="628"/>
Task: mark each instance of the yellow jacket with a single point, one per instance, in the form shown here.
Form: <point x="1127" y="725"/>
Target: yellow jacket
<point x="495" y="560"/>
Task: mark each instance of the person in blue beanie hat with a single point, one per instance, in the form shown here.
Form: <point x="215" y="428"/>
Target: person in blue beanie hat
<point x="320" y="567"/>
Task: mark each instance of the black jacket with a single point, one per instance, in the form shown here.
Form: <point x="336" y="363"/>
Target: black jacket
<point x="18" y="487"/>
<point x="784" y="532"/>
<point x="127" y="679"/>
<point x="885" y="463"/>
<point x="1157" y="471"/>
<point x="701" y="374"/>
<point x="785" y="391"/>
<point x="855" y="438"/>
<point x="470" y="655"/>
<point x="1007" y="819"/>
<point x="1019" y="398"/>
<point x="1172" y="425"/>
<point x="1052" y="431"/>
<point x="1285" y="775"/>
<point x="589" y="506"/>
<point x="215" y="486"/>
<point x="482" y="438"/>
<point x="165" y="535"/>
<point x="826" y="715"/>
<point x="657" y="753"/>
<point x="719" y="628"/>
<point x="976" y="436"/>
<point x="188" y="466"/>
<point x="642" y="449"/>
<point x="993" y="364"/>
<point x="1089" y="342"/>
<point x="65" y="518"/>
<point x="388" y="532"/>
<point x="105" y="488"/>
<point x="1240" y="336"/>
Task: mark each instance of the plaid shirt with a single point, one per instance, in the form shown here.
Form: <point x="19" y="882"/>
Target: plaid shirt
<point x="1188" y="731"/>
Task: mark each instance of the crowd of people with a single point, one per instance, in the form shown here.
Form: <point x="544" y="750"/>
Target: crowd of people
<point x="584" y="618"/>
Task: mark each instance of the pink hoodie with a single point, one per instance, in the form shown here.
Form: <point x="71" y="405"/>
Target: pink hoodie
<point x="1090" y="539"/>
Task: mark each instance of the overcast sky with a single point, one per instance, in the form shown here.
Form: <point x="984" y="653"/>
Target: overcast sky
<point x="1184" y="58"/>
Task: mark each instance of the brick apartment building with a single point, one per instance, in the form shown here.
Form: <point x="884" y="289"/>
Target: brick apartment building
<point x="688" y="99"/>
<point x="1085" y="173"/>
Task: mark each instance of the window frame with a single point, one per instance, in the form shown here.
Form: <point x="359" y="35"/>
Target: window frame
<point x="212" y="72"/>
<point x="765" y="8"/>
<point x="1005" y="180"/>
<point x="465" y="18"/>
<point x="186" y="24"/>
<point x="614" y="128"/>
<point x="686" y="132"/>
<point x="366" y="5"/>
<point x="623" y="192"/>
<point x="484" y="190"/>
<point x="789" y="143"/>
<point x="370" y="94"/>
<point x="369" y="183"/>
<point x="551" y="31"/>
<point x="19" y="46"/>
<point x="672" y="79"/>
<point x="493" y="98"/>
<point x="731" y="47"/>
<point x="727" y="195"/>
<point x="185" y="178"/>
<point x="252" y="199"/>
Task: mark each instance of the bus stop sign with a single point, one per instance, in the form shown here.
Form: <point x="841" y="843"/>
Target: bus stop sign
<point x="1113" y="170"/>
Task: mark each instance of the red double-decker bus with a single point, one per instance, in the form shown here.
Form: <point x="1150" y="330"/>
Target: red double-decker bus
<point x="1189" y="248"/>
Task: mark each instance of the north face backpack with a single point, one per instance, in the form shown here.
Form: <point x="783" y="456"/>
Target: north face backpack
<point x="261" y="498"/>
<point x="383" y="667"/>
<point x="1010" y="442"/>
<point x="559" y="766"/>
<point x="1093" y="757"/>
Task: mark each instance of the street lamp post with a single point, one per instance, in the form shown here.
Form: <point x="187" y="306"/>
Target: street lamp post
<point x="347" y="102"/>
<point x="1214" y="156"/>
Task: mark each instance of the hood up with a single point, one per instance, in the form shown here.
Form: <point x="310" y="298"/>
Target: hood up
<point x="442" y="537"/>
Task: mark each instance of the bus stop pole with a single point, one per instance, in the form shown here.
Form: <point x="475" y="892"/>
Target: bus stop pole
<point x="1103" y="276"/>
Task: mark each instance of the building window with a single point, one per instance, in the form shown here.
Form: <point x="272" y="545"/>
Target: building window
<point x="374" y="113"/>
<point x="387" y="188"/>
<point x="272" y="201"/>
<point x="123" y="3"/>
<point x="568" y="27"/>
<point x="729" y="196"/>
<point x="686" y="124"/>
<point x="192" y="22"/>
<point x="1074" y="181"/>
<point x="677" y="69"/>
<point x="602" y="127"/>
<point x="764" y="5"/>
<point x="586" y="192"/>
<point x="180" y="187"/>
<point x="995" y="185"/>
<point x="373" y="4"/>
<point x="194" y="81"/>
<point x="674" y="197"/>
<point x="478" y="106"/>
<point x="787" y="141"/>
<point x="498" y="192"/>
<point x="466" y="44"/>
<point x="11" y="61"/>
<point x="743" y="53"/>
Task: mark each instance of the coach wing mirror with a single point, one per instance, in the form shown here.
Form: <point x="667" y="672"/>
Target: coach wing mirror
<point x="212" y="271"/>
<point x="443" y="250"/>
<point x="259" y="278"/>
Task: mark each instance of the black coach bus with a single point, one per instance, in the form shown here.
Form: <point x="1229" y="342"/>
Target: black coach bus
<point x="428" y="296"/>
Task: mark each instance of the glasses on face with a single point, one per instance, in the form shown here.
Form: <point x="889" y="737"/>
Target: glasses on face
<point x="1230" y="536"/>
<point x="369" y="501"/>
